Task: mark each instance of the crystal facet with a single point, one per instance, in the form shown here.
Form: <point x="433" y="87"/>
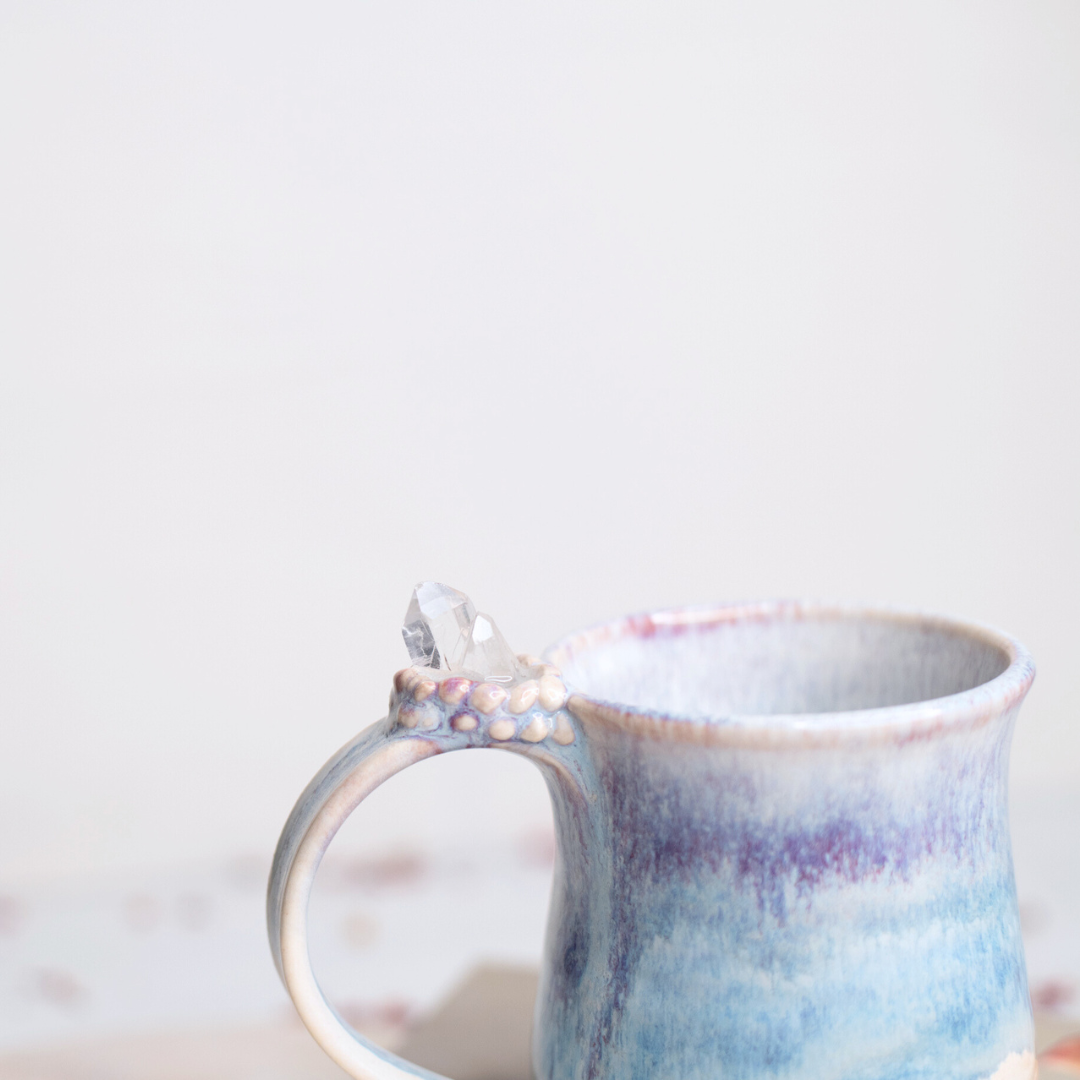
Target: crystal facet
<point x="487" y="653"/>
<point x="443" y="631"/>
<point x="437" y="625"/>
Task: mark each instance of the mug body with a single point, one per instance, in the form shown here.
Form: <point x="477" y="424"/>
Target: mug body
<point x="792" y="855"/>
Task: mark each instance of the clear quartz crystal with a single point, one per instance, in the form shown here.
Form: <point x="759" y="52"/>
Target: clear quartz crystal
<point x="437" y="626"/>
<point x="488" y="654"/>
<point x="443" y="631"/>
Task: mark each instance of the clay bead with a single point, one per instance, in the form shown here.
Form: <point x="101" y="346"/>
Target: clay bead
<point x="523" y="696"/>
<point x="537" y="731"/>
<point x="454" y="691"/>
<point x="501" y="730"/>
<point x="424" y="689"/>
<point x="552" y="693"/>
<point x="487" y="697"/>
<point x="564" y="732"/>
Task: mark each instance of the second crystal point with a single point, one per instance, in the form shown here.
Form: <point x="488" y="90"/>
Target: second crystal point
<point x="487" y="653"/>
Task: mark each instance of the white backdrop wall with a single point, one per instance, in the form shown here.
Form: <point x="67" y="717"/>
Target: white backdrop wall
<point x="582" y="308"/>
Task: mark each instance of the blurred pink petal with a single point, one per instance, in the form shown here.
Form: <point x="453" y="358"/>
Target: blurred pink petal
<point x="1053" y="994"/>
<point x="1064" y="1055"/>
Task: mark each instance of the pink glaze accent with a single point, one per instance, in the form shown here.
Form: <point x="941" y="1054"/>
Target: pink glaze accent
<point x="454" y="691"/>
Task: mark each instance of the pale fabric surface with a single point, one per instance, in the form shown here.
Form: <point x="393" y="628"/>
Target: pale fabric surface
<point x="282" y="1052"/>
<point x="188" y="949"/>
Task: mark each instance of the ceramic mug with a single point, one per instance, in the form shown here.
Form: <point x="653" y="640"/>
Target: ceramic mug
<point x="783" y="846"/>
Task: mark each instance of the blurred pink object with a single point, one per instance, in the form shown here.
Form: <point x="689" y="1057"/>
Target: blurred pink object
<point x="1063" y="1055"/>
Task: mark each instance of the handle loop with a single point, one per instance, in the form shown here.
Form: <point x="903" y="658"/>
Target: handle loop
<point x="343" y="783"/>
<point x="340" y="786"/>
<point x="426" y="718"/>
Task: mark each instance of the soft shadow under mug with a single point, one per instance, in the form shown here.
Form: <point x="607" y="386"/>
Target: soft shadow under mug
<point x="783" y="846"/>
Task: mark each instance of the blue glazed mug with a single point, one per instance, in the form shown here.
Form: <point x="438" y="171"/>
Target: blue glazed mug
<point x="783" y="845"/>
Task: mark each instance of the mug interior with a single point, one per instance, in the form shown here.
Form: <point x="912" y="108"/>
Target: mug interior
<point x="778" y="660"/>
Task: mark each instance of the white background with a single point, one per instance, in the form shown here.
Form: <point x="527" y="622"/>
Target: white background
<point x="582" y="308"/>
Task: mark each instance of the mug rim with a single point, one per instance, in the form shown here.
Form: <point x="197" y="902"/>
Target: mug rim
<point x="887" y="723"/>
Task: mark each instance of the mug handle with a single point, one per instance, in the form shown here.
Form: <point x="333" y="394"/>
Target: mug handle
<point x="355" y="771"/>
<point x="419" y="726"/>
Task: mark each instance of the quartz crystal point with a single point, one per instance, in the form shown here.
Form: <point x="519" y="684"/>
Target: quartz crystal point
<point x="437" y="626"/>
<point x="443" y="631"/>
<point x="487" y="653"/>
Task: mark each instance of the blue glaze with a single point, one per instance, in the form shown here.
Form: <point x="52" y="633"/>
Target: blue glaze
<point x="783" y="846"/>
<point x="776" y="914"/>
<point x="838" y="907"/>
